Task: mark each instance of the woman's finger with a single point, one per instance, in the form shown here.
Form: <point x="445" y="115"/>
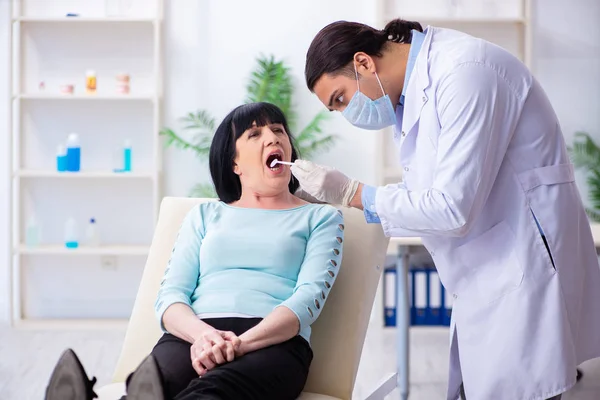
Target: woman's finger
<point x="232" y="337"/>
<point x="217" y="338"/>
<point x="218" y="354"/>
<point x="206" y="358"/>
<point x="229" y="351"/>
<point x="200" y="370"/>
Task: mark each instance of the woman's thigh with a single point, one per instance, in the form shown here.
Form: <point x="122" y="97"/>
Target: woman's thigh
<point x="173" y="358"/>
<point x="172" y="354"/>
<point x="276" y="372"/>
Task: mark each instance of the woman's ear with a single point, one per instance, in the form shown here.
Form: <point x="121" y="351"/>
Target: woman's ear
<point x="236" y="169"/>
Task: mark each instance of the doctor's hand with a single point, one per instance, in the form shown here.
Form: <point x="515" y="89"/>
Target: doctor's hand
<point x="324" y="183"/>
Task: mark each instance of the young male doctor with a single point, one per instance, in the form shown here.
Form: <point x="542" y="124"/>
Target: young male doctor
<point x="488" y="186"/>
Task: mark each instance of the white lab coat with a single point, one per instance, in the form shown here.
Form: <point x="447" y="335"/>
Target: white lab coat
<point x="483" y="152"/>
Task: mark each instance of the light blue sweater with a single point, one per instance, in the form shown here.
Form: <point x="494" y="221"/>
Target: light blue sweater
<point x="232" y="260"/>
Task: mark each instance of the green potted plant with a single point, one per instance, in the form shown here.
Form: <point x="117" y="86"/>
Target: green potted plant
<point x="270" y="82"/>
<point x="585" y="154"/>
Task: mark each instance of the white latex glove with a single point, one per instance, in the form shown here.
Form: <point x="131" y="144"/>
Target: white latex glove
<point x="324" y="183"/>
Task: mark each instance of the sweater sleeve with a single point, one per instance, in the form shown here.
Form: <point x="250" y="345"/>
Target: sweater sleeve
<point x="319" y="268"/>
<point x="183" y="270"/>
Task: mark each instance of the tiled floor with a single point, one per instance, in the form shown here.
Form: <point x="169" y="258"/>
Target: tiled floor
<point x="28" y="358"/>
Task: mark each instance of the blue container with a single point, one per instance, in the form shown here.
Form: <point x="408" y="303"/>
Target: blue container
<point x="61" y="163"/>
<point x="73" y="153"/>
<point x="73" y="159"/>
<point x="127" y="159"/>
<point x="61" y="158"/>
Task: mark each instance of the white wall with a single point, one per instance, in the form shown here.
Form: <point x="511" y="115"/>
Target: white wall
<point x="4" y="156"/>
<point x="567" y="63"/>
<point x="210" y="50"/>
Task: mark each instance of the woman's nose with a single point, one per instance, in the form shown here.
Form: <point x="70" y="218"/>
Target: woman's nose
<point x="271" y="138"/>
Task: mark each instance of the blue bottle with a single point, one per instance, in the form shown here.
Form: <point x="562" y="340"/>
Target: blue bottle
<point x="61" y="159"/>
<point x="127" y="156"/>
<point x="73" y="153"/>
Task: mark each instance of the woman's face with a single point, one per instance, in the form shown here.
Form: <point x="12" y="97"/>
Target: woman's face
<point x="255" y="151"/>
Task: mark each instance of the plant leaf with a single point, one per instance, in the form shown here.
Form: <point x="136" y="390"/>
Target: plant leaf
<point x="584" y="153"/>
<point x="593" y="183"/>
<point x="173" y="139"/>
<point x="203" y="125"/>
<point x="311" y="140"/>
<point x="271" y="82"/>
<point x="593" y="215"/>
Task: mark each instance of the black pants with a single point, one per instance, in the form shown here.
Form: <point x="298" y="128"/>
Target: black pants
<point x="277" y="372"/>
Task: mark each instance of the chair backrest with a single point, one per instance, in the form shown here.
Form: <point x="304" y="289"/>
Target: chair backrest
<point x="338" y="335"/>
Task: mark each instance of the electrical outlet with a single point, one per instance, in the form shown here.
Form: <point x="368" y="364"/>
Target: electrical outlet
<point x="108" y="262"/>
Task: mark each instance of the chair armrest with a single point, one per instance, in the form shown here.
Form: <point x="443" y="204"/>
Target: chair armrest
<point x="384" y="387"/>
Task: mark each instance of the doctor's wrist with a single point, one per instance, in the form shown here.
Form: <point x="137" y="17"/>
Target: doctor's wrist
<point x="356" y="201"/>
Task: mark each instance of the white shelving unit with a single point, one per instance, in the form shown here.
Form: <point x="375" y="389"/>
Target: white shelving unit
<point x="83" y="250"/>
<point x="49" y="46"/>
<point x="504" y="22"/>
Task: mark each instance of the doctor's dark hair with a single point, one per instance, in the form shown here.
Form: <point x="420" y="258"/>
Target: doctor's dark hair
<point x="222" y="149"/>
<point x="333" y="48"/>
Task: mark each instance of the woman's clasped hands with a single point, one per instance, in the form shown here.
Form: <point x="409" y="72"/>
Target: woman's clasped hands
<point x="214" y="347"/>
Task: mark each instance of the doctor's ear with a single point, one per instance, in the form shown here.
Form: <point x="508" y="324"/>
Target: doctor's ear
<point x="364" y="63"/>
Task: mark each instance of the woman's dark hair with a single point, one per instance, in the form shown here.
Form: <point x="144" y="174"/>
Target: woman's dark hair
<point x="222" y="149"/>
<point x="332" y="50"/>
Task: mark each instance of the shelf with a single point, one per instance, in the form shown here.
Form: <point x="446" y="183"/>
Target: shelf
<point x="58" y="96"/>
<point x="83" y="19"/>
<point x="49" y="46"/>
<point x="71" y="324"/>
<point x="83" y="175"/>
<point x="84" y="250"/>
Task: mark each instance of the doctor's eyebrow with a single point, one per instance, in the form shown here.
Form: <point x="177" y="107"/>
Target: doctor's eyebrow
<point x="331" y="98"/>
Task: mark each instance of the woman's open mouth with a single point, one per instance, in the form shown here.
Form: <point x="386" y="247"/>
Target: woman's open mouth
<point x="270" y="161"/>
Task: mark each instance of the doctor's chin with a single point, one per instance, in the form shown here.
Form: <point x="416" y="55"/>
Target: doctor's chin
<point x="264" y="200"/>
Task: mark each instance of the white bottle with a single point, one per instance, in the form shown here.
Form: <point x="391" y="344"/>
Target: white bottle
<point x="32" y="234"/>
<point x="71" y="236"/>
<point x="92" y="236"/>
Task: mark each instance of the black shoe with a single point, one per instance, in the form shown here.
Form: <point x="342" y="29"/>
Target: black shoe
<point x="146" y="382"/>
<point x="69" y="380"/>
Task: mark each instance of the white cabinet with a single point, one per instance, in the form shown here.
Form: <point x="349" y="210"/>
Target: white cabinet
<point x="51" y="49"/>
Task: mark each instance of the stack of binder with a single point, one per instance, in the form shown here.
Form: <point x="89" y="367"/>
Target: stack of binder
<point x="429" y="302"/>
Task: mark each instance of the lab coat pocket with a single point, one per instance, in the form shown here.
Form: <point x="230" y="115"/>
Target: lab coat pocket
<point x="546" y="187"/>
<point x="491" y="265"/>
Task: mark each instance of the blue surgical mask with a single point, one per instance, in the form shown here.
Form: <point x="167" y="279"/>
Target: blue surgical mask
<point x="365" y="113"/>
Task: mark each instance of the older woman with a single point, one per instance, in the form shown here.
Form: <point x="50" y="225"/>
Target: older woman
<point x="248" y="276"/>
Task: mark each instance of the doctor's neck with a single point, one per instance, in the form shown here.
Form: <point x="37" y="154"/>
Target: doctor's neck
<point x="391" y="68"/>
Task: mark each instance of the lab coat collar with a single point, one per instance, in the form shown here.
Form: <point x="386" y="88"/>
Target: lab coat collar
<point x="407" y="115"/>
